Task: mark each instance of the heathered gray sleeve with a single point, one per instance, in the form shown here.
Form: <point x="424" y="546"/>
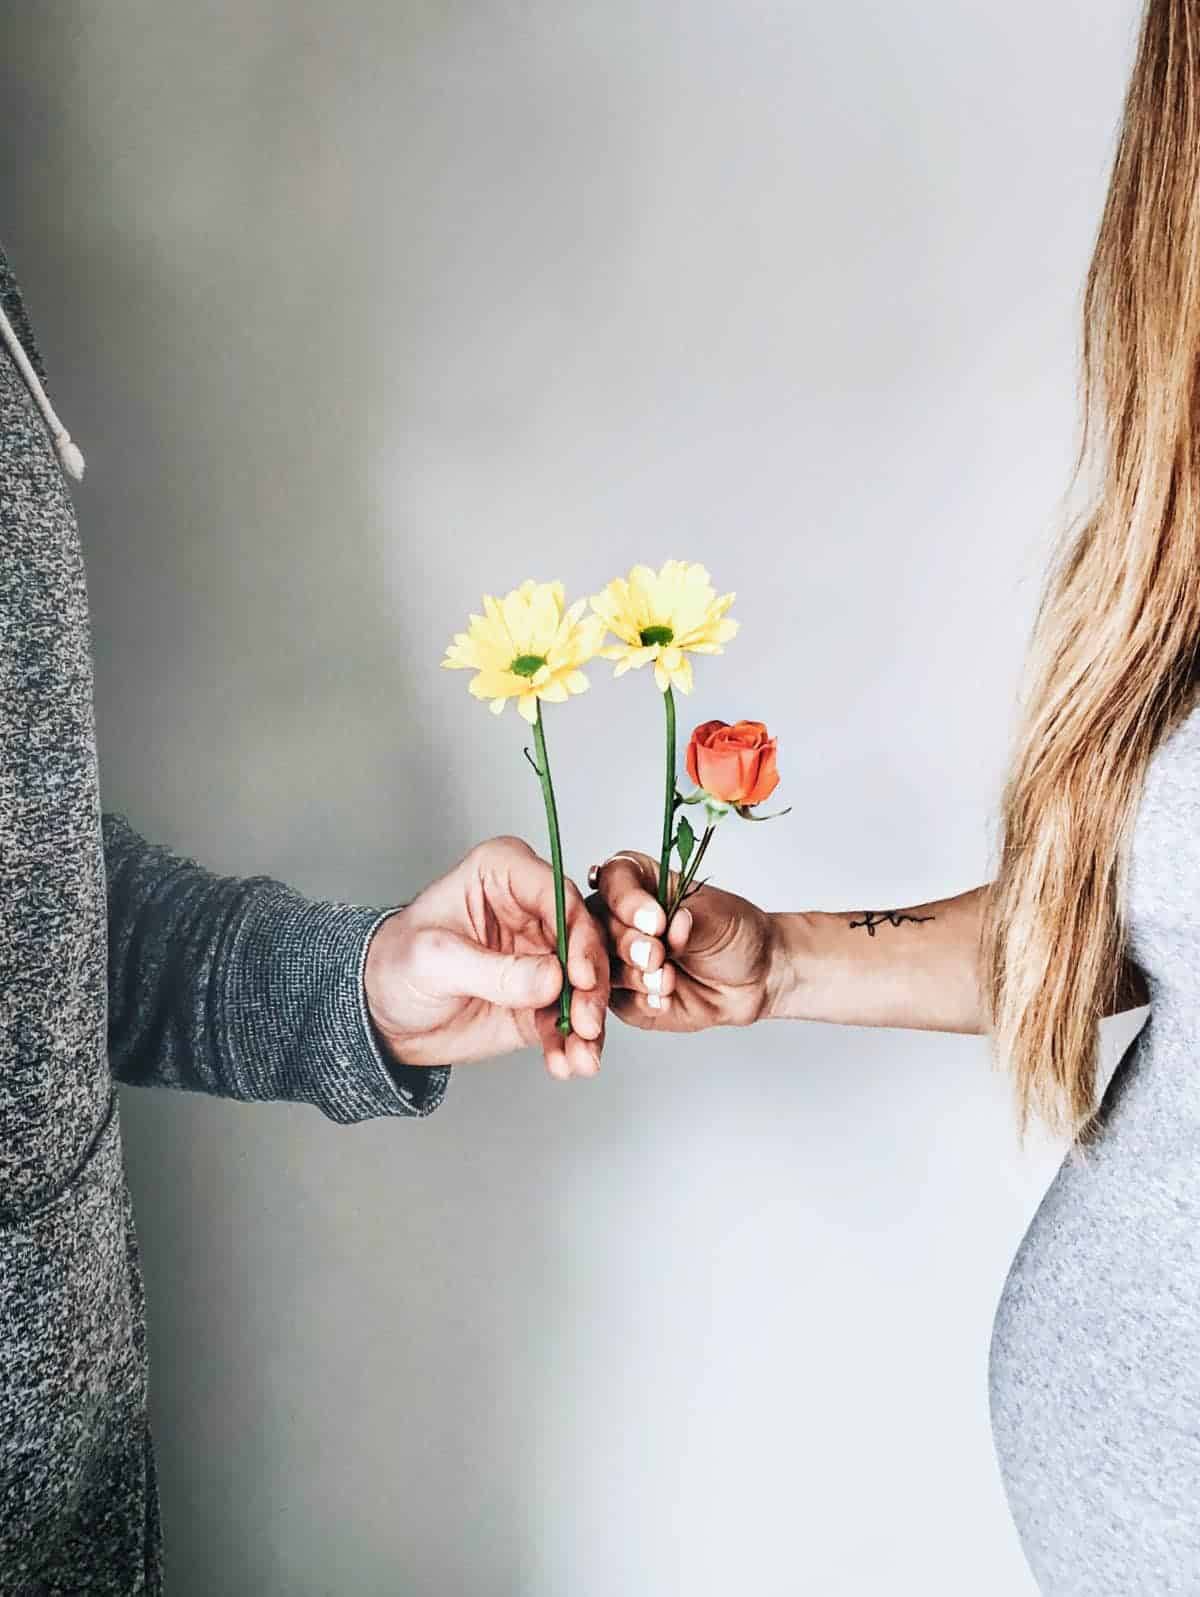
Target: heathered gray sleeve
<point x="242" y="988"/>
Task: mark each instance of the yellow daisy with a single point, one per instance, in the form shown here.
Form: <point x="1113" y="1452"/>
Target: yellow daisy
<point x="527" y="646"/>
<point x="663" y="617"/>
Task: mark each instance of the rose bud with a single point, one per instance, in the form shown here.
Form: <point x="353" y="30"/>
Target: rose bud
<point x="734" y="764"/>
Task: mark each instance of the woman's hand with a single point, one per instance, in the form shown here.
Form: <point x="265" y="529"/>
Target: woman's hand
<point x="719" y="965"/>
<point x="469" y="970"/>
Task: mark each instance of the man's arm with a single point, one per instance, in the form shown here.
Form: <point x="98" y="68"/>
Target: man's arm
<point x="244" y="989"/>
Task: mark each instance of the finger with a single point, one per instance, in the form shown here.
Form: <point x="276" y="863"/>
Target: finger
<point x="632" y="947"/>
<point x="582" y="1013"/>
<point x="460" y="968"/>
<point x="587" y="952"/>
<point x="627" y="887"/>
<point x="511" y="870"/>
<point x="567" y="1056"/>
<point x="555" y="1057"/>
<point x="645" y="1011"/>
<point x="583" y="1056"/>
<point x="530" y="884"/>
<point x="628" y="978"/>
<point x="589" y="1010"/>
<point x="552" y="1043"/>
<point x="679" y="931"/>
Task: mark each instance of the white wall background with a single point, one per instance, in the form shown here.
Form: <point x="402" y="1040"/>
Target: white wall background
<point x="359" y="309"/>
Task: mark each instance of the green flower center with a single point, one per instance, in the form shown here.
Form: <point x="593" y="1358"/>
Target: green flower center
<point x="527" y="665"/>
<point x="656" y="635"/>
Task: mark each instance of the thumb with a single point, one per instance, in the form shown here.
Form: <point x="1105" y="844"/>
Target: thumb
<point x="513" y="981"/>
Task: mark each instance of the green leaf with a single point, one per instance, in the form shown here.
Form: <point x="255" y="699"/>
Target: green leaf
<point x="685" y="842"/>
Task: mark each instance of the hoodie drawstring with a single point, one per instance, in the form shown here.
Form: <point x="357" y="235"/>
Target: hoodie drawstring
<point x="69" y="456"/>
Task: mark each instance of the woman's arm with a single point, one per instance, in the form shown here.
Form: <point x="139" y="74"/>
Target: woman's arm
<point x="917" y="967"/>
<point x="727" y="962"/>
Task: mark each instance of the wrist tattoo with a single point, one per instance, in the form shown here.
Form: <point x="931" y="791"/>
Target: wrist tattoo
<point x="871" y="918"/>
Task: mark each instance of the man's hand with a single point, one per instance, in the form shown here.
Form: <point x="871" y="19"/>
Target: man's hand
<point x="719" y="965"/>
<point x="469" y="969"/>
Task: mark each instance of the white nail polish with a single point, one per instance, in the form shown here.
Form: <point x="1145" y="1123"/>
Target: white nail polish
<point x="654" y="1001"/>
<point x="639" y="954"/>
<point x="646" y="920"/>
<point x="654" y="981"/>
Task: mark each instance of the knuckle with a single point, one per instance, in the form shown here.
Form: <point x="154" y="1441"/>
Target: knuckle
<point x="510" y="844"/>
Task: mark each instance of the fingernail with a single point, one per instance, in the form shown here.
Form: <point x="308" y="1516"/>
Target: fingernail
<point x="646" y="920"/>
<point x="654" y="981"/>
<point x="639" y="954"/>
<point x="654" y="1001"/>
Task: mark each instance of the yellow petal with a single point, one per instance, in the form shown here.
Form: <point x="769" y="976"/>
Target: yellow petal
<point x="528" y="706"/>
<point x="515" y="609"/>
<point x="494" y="685"/>
<point x="497" y="706"/>
<point x="646" y="608"/>
<point x="545" y="613"/>
<point x="577" y="682"/>
<point x="661" y="677"/>
<point x="495" y="615"/>
<point x="553" y="693"/>
<point x="682" y="675"/>
<point x="590" y="634"/>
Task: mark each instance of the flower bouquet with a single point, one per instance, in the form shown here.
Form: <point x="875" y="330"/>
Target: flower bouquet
<point x="531" y="646"/>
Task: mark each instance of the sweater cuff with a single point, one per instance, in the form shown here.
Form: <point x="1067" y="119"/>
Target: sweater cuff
<point x="301" y="1017"/>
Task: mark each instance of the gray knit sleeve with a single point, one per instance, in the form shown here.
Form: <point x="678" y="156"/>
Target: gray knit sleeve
<point x="242" y="988"/>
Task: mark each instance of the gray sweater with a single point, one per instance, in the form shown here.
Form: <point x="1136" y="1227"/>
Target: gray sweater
<point x="117" y="960"/>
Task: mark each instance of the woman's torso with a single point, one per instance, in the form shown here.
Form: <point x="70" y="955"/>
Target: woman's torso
<point x="1095" y="1365"/>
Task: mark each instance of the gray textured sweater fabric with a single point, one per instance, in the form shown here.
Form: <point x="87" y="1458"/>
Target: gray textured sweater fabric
<point x="1095" y="1363"/>
<point x="117" y="959"/>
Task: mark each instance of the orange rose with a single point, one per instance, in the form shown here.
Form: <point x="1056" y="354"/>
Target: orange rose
<point x="734" y="764"/>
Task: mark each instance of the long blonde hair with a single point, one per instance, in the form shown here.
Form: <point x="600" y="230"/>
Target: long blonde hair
<point x="1114" y="651"/>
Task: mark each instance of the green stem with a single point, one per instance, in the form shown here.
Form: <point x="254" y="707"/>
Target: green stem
<point x="560" y="896"/>
<point x="668" y="837"/>
<point x="690" y="875"/>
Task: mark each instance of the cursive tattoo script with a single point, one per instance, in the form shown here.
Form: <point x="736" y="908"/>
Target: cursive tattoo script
<point x="891" y="917"/>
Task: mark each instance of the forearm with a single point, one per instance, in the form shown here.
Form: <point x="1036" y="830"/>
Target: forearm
<point x="917" y="967"/>
<point x="243" y="989"/>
